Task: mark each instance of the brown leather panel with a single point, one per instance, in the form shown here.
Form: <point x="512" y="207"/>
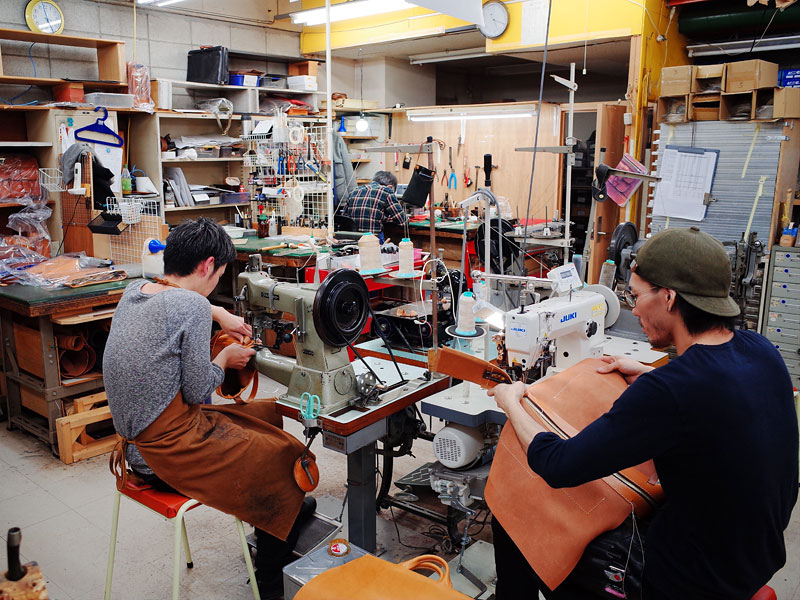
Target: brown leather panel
<point x="467" y="367"/>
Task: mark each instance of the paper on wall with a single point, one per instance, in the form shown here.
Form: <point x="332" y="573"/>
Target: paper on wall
<point x="533" y="23"/>
<point x="687" y="175"/>
<point x="111" y="158"/>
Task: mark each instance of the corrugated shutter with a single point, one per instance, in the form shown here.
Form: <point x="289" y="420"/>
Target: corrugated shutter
<point x="726" y="219"/>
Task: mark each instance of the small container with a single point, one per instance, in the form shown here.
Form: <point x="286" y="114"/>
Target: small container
<point x="406" y="259"/>
<point x="466" y="317"/>
<point x="273" y="226"/>
<point x="369" y="252"/>
<point x="153" y="258"/>
<point x="110" y="100"/>
<point x="607" y="274"/>
<point x="263" y="226"/>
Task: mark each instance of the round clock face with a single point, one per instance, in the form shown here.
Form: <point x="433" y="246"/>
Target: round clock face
<point x="44" y="16"/>
<point x="495" y="19"/>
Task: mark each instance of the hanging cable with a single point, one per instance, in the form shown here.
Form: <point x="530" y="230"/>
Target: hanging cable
<point x="535" y="143"/>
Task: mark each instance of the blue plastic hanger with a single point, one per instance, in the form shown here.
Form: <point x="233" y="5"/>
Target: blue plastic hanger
<point x="99" y="126"/>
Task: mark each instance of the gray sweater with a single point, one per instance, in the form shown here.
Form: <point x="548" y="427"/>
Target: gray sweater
<point x="159" y="344"/>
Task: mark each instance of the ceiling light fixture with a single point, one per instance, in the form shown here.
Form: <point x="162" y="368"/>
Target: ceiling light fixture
<point x="470" y="114"/>
<point x="448" y="55"/>
<point x="348" y="10"/>
<point x="167" y="2"/>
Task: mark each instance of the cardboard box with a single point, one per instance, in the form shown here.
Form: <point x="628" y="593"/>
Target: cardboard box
<point x="704" y="107"/>
<point x="673" y="109"/>
<point x="308" y="67"/>
<point x="750" y="75"/>
<point x="736" y="107"/>
<point x="787" y="103"/>
<point x="708" y="79"/>
<point x="677" y="81"/>
<point x="763" y="105"/>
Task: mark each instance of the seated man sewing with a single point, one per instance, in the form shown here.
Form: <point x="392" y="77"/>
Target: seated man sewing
<point x="158" y="371"/>
<point x="374" y="204"/>
<point x="718" y="421"/>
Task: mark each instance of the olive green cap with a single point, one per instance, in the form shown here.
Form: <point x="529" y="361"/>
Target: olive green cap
<point x="692" y="263"/>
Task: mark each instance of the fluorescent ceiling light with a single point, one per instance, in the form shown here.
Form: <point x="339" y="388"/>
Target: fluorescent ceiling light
<point x="349" y="10"/>
<point x="433" y="57"/>
<point x="789" y="42"/>
<point x="469" y="114"/>
<point x="168" y="2"/>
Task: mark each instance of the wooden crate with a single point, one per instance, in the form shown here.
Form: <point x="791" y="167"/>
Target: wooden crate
<point x="74" y="442"/>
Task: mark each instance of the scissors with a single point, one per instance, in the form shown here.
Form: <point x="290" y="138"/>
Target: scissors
<point x="309" y="406"/>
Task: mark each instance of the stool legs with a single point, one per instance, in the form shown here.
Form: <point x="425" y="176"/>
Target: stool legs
<point x="112" y="546"/>
<point x="180" y="535"/>
<point x="248" y="561"/>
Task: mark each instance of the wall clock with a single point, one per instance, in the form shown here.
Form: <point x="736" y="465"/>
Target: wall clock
<point x="44" y="16"/>
<point x="495" y="19"/>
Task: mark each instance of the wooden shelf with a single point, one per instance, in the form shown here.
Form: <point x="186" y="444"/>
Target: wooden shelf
<point x="360" y="160"/>
<point x="194" y="85"/>
<point x="192" y="115"/>
<point x="50" y="82"/>
<point x="198" y="160"/>
<point x="203" y="207"/>
<point x="26" y="145"/>
<point x="362" y="181"/>
<point x="359" y="137"/>
<point x="17" y="204"/>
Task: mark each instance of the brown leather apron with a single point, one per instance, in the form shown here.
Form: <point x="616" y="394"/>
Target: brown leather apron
<point x="233" y="457"/>
<point x="551" y="527"/>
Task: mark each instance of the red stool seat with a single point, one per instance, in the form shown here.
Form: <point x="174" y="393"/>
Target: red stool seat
<point x="765" y="593"/>
<point x="164" y="503"/>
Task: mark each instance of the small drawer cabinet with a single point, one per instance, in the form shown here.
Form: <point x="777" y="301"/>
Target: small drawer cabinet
<point x="781" y="323"/>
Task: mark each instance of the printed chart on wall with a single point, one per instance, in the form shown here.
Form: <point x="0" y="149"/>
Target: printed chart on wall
<point x="687" y="175"/>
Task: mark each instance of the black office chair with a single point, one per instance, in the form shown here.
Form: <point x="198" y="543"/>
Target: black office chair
<point x="343" y="223"/>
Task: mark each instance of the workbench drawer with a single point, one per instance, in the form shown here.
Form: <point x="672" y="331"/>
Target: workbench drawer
<point x="786" y="274"/>
<point x="785" y="305"/>
<point x="783" y="319"/>
<point x="785" y="290"/>
<point x="786" y="259"/>
<point x="783" y="336"/>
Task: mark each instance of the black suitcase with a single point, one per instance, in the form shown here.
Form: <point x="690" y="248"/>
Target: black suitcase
<point x="208" y="65"/>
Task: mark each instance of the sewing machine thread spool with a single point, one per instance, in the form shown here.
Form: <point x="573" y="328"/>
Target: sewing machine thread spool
<point x="607" y="274"/>
<point x="406" y="259"/>
<point x="466" y="318"/>
<point x="369" y="252"/>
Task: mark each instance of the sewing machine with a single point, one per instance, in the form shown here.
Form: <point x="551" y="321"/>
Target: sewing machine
<point x="328" y="317"/>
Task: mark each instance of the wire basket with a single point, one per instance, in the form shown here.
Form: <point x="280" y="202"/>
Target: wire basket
<point x="130" y="210"/>
<point x="52" y="180"/>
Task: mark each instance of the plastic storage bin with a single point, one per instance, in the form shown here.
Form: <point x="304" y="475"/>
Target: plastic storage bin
<point x="110" y="100"/>
<point x="235" y="197"/>
<point x="307" y="83"/>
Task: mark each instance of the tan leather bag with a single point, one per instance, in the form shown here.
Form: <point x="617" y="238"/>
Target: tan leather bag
<point x="552" y="527"/>
<point x="236" y="380"/>
<point x="370" y="578"/>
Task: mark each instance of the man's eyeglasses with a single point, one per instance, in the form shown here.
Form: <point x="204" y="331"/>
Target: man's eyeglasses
<point x="631" y="298"/>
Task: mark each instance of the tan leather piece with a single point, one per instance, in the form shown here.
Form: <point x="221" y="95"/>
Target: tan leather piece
<point x="86" y="277"/>
<point x="75" y="356"/>
<point x="467" y="367"/>
<point x="552" y="527"/>
<point x="236" y="380"/>
<point x="370" y="578"/>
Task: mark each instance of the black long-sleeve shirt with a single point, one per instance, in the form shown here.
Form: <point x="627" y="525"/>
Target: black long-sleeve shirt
<point x="720" y="423"/>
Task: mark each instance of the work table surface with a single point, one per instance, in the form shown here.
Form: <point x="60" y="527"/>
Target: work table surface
<point x="33" y="301"/>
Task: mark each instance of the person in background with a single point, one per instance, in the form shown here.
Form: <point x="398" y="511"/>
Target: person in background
<point x="158" y="371"/>
<point x="374" y="204"/>
<point x="718" y="422"/>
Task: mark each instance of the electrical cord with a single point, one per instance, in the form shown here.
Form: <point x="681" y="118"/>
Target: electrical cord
<point x="11" y="102"/>
<point x="397" y="529"/>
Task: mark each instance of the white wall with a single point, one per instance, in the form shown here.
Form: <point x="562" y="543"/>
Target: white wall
<point x="412" y="85"/>
<point x="163" y="39"/>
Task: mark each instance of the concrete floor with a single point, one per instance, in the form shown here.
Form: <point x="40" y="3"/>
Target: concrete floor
<point x="64" y="512"/>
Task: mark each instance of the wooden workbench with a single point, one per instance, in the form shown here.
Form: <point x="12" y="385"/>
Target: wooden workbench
<point x="39" y="309"/>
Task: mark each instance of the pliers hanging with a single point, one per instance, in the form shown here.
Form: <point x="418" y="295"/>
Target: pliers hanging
<point x="452" y="182"/>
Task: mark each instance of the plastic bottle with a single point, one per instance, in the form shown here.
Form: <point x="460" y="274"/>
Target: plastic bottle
<point x="406" y="258"/>
<point x="263" y="226"/>
<point x="273" y="226"/>
<point x="125" y="180"/>
<point x="153" y="258"/>
<point x="607" y="274"/>
<point x="369" y="251"/>
<point x="466" y="318"/>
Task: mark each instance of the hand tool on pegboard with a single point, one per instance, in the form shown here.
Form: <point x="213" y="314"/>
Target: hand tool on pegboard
<point x="452" y="182"/>
<point x="467" y="180"/>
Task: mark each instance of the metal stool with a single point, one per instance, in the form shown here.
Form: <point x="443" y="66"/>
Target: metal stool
<point x="172" y="507"/>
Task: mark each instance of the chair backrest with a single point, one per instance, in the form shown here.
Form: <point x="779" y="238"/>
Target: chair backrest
<point x="343" y="223"/>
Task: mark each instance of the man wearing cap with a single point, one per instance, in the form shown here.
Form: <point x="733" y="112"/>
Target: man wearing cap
<point x="718" y="421"/>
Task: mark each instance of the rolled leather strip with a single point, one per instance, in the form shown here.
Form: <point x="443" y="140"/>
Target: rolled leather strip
<point x="236" y="380"/>
<point x="75" y="356"/>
